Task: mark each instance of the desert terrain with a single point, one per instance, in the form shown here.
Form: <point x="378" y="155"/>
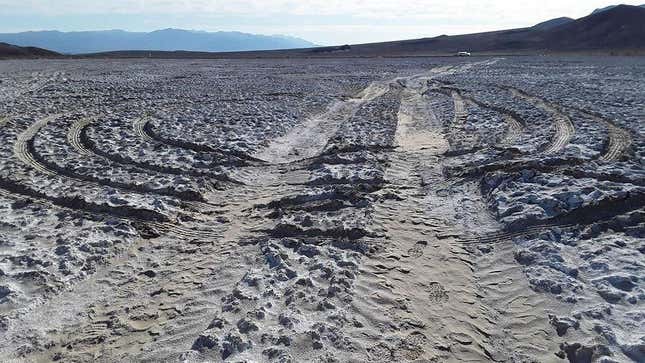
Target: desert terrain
<point x="310" y="210"/>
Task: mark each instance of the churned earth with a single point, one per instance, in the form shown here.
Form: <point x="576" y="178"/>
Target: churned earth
<point x="364" y="210"/>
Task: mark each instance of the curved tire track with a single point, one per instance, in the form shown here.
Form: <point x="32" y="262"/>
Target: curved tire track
<point x="582" y="216"/>
<point x="92" y="146"/>
<point x="74" y="136"/>
<point x="22" y="148"/>
<point x="140" y="129"/>
<point x="25" y="151"/>
<point x="77" y="204"/>
<point x="564" y="129"/>
<point x="514" y="130"/>
<point x="147" y="133"/>
<point x="513" y="121"/>
<point x="619" y="141"/>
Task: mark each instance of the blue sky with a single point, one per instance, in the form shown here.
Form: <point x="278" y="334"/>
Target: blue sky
<point x="321" y="21"/>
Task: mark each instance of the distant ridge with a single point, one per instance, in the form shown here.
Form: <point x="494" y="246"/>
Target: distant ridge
<point x="13" y="51"/>
<point x="550" y="24"/>
<point x="618" y="29"/>
<point x="621" y="28"/>
<point x="160" y="40"/>
<point x="600" y="10"/>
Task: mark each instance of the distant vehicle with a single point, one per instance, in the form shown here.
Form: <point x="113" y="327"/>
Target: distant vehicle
<point x="463" y="54"/>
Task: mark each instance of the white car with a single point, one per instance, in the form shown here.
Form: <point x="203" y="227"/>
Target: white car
<point x="463" y="54"/>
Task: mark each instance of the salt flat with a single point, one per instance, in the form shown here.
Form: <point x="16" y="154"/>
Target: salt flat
<point x="380" y="210"/>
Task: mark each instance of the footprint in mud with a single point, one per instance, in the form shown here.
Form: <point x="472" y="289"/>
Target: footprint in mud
<point x="417" y="250"/>
<point x="437" y="292"/>
<point x="411" y="347"/>
<point x="380" y="353"/>
<point x="444" y="192"/>
<point x="462" y="338"/>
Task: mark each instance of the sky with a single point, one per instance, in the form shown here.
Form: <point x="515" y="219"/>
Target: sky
<point x="324" y="22"/>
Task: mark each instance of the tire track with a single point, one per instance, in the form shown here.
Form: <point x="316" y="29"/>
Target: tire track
<point x="502" y="236"/>
<point x="74" y="136"/>
<point x="159" y="222"/>
<point x="144" y="129"/>
<point x="92" y="146"/>
<point x="515" y="124"/>
<point x="580" y="217"/>
<point x="25" y="151"/>
<point x="514" y="130"/>
<point x="22" y="148"/>
<point x="78" y="138"/>
<point x="162" y="293"/>
<point x="432" y="292"/>
<point x="564" y="129"/>
<point x="184" y="232"/>
<point x="76" y="203"/>
<point x="424" y="294"/>
<point x="140" y="128"/>
<point x="461" y="112"/>
<point x="74" y="139"/>
<point x="461" y="141"/>
<point x="619" y="141"/>
<point x="311" y="137"/>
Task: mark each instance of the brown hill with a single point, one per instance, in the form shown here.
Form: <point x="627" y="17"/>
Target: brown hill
<point x="13" y="51"/>
<point x="621" y="27"/>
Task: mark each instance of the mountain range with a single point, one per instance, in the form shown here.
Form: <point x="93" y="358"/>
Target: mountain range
<point x="162" y="40"/>
<point x="613" y="29"/>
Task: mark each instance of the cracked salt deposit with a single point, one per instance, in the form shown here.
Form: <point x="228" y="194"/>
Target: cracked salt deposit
<point x="374" y="210"/>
